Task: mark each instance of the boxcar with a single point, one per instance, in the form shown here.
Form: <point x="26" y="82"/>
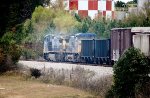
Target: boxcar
<point x="141" y="39"/>
<point x="102" y="51"/>
<point x="96" y="51"/>
<point x="123" y="38"/>
<point x="87" y="51"/>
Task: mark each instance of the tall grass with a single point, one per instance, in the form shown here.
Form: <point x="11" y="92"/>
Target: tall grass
<point x="77" y="77"/>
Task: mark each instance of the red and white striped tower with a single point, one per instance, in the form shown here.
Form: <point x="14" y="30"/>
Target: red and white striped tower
<point x="92" y="8"/>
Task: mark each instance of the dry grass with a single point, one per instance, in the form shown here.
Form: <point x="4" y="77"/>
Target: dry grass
<point x="79" y="78"/>
<point x="14" y="86"/>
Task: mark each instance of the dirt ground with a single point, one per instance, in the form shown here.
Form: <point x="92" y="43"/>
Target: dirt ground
<point x="17" y="87"/>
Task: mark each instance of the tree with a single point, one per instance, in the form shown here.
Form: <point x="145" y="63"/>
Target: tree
<point x="98" y="27"/>
<point x="135" y="1"/>
<point x="142" y="18"/>
<point x="130" y="70"/>
<point x="57" y="5"/>
<point x="13" y="15"/>
<point x="64" y="22"/>
<point x="84" y="25"/>
<point x="120" y="4"/>
<point x="15" y="12"/>
<point x="77" y="17"/>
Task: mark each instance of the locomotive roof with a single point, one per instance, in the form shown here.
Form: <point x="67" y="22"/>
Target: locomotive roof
<point x="85" y="34"/>
<point x="48" y="35"/>
<point x="141" y="29"/>
<point x="135" y="29"/>
<point x="121" y="28"/>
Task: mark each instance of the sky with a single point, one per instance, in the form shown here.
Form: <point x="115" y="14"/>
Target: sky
<point x="124" y="0"/>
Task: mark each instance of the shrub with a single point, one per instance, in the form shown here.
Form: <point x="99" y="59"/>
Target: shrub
<point x="28" y="54"/>
<point x="2" y="57"/>
<point x="10" y="52"/>
<point x="15" y="53"/>
<point x="131" y="69"/>
<point x="6" y="63"/>
<point x="35" y="72"/>
<point x="143" y="90"/>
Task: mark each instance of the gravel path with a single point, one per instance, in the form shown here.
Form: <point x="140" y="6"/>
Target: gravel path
<point x="99" y="70"/>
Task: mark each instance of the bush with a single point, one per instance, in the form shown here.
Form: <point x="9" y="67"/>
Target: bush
<point x="29" y="54"/>
<point x="35" y="72"/>
<point x="6" y="61"/>
<point x="15" y="53"/>
<point x="143" y="90"/>
<point x="10" y="52"/>
<point x="2" y="57"/>
<point x="131" y="69"/>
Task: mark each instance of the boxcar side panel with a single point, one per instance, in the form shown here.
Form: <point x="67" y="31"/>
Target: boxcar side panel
<point x="137" y="41"/>
<point x="87" y="48"/>
<point x="126" y="40"/>
<point x="102" y="48"/>
<point x="121" y="39"/>
<point x="115" y="39"/>
<point x="145" y="44"/>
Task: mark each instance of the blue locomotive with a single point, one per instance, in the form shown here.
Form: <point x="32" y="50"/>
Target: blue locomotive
<point x="81" y="47"/>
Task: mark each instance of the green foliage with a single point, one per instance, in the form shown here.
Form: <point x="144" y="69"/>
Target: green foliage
<point x="64" y="22"/>
<point x="49" y="20"/>
<point x="135" y="1"/>
<point x="41" y="19"/>
<point x="140" y="19"/>
<point x="143" y="89"/>
<point x="84" y="27"/>
<point x="131" y="69"/>
<point x="29" y="54"/>
<point x="77" y="17"/>
<point x="98" y="27"/>
<point x="15" y="52"/>
<point x="109" y="94"/>
<point x="35" y="29"/>
<point x="13" y="30"/>
<point x="8" y="43"/>
<point x="132" y="2"/>
<point x="2" y="56"/>
<point x="84" y="24"/>
<point x="15" y="12"/>
<point x="9" y="51"/>
<point x="120" y="4"/>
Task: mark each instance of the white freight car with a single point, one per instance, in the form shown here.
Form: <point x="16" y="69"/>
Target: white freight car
<point x="141" y="39"/>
